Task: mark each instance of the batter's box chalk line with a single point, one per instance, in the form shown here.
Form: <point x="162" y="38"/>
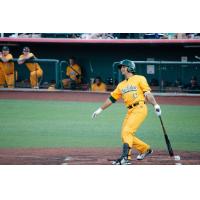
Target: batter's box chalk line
<point x="178" y="163"/>
<point x="68" y="158"/>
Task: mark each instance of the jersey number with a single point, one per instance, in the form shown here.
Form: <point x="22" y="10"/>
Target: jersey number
<point x="135" y="95"/>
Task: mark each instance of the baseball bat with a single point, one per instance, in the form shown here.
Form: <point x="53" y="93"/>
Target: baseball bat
<point x="169" y="147"/>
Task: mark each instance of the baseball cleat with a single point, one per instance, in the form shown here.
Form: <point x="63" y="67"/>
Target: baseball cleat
<point x="145" y="154"/>
<point x="121" y="161"/>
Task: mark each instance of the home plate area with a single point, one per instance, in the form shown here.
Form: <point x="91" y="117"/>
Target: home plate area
<point x="89" y="156"/>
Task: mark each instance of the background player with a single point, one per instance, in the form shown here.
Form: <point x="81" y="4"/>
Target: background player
<point x="73" y="72"/>
<point x="98" y="85"/>
<point x="34" y="68"/>
<point x="6" y="68"/>
<point x="133" y="90"/>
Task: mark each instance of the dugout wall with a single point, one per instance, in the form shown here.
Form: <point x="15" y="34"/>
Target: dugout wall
<point x="96" y="56"/>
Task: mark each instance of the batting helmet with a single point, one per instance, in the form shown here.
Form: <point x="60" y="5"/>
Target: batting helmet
<point x="128" y="63"/>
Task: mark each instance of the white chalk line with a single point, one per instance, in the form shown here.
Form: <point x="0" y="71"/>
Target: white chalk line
<point x="23" y="156"/>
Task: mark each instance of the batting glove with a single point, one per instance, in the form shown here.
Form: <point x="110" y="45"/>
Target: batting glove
<point x="157" y="110"/>
<point x="97" y="112"/>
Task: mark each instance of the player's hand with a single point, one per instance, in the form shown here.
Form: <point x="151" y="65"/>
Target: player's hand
<point x="97" y="112"/>
<point x="157" y="110"/>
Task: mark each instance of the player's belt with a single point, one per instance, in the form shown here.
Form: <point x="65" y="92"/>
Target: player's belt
<point x="135" y="104"/>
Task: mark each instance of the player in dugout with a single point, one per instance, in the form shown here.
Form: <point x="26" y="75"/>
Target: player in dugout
<point x="36" y="71"/>
<point x="73" y="73"/>
<point x="135" y="91"/>
<point x="98" y="85"/>
<point x="6" y="68"/>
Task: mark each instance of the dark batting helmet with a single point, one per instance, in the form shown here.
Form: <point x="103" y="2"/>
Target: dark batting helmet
<point x="128" y="63"/>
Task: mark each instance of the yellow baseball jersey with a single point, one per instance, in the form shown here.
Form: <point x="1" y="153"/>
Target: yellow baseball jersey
<point x="7" y="67"/>
<point x="31" y="66"/>
<point x="98" y="88"/>
<point x="131" y="90"/>
<point x="72" y="74"/>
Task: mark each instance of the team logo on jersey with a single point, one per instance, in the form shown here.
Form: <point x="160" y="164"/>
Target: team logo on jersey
<point x="129" y="88"/>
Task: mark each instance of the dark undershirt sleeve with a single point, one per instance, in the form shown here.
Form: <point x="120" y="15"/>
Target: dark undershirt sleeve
<point x="113" y="100"/>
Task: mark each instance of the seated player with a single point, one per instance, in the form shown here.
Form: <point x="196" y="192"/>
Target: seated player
<point x="98" y="85"/>
<point x="73" y="72"/>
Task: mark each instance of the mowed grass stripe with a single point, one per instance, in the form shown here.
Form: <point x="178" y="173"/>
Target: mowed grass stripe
<point x="50" y="124"/>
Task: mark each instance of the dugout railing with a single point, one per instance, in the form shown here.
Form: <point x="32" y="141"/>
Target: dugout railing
<point x="50" y="75"/>
<point x="166" y="76"/>
<point x="62" y="71"/>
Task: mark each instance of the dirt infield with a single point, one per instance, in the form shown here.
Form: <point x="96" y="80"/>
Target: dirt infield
<point x="88" y="156"/>
<point x="89" y="97"/>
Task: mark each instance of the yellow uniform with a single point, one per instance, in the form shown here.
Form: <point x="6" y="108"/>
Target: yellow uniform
<point x="74" y="73"/>
<point x="132" y="92"/>
<point x="2" y="76"/>
<point x="7" y="71"/>
<point x="98" y="88"/>
<point x="35" y="71"/>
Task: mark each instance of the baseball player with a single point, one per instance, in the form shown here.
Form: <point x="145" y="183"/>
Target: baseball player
<point x="134" y="90"/>
<point x="6" y="68"/>
<point x="73" y="73"/>
<point x="34" y="68"/>
<point x="98" y="85"/>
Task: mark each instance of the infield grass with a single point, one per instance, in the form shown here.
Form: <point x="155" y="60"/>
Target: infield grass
<point x="51" y="124"/>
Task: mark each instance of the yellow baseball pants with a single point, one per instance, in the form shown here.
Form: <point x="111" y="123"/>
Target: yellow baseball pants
<point x="6" y="78"/>
<point x="2" y="78"/>
<point x="134" y="118"/>
<point x="34" y="75"/>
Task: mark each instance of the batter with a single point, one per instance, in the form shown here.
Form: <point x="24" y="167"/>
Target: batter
<point x="134" y="90"/>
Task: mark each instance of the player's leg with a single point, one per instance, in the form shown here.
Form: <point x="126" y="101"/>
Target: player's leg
<point x="125" y="157"/>
<point x="2" y="79"/>
<point x="136" y="116"/>
<point x="33" y="80"/>
<point x="10" y="80"/>
<point x="39" y="74"/>
<point x="34" y="75"/>
<point x="123" y="125"/>
<point x="66" y="83"/>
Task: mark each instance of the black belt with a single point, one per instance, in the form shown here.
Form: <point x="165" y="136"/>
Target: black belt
<point x="135" y="104"/>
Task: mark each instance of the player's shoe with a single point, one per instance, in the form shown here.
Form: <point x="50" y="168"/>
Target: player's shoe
<point x="122" y="161"/>
<point x="145" y="154"/>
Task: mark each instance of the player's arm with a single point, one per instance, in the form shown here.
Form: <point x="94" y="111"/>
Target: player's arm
<point x="4" y="59"/>
<point x="8" y="59"/>
<point x="148" y="95"/>
<point x="24" y="59"/>
<point x="115" y="95"/>
<point x="150" y="98"/>
<point x="68" y="72"/>
<point x="105" y="105"/>
<point x="78" y="74"/>
<point x="21" y="60"/>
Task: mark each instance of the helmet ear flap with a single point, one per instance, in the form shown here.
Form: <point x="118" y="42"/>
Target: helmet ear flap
<point x="131" y="69"/>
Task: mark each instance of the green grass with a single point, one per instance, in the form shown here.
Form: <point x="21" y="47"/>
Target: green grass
<point x="36" y="124"/>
